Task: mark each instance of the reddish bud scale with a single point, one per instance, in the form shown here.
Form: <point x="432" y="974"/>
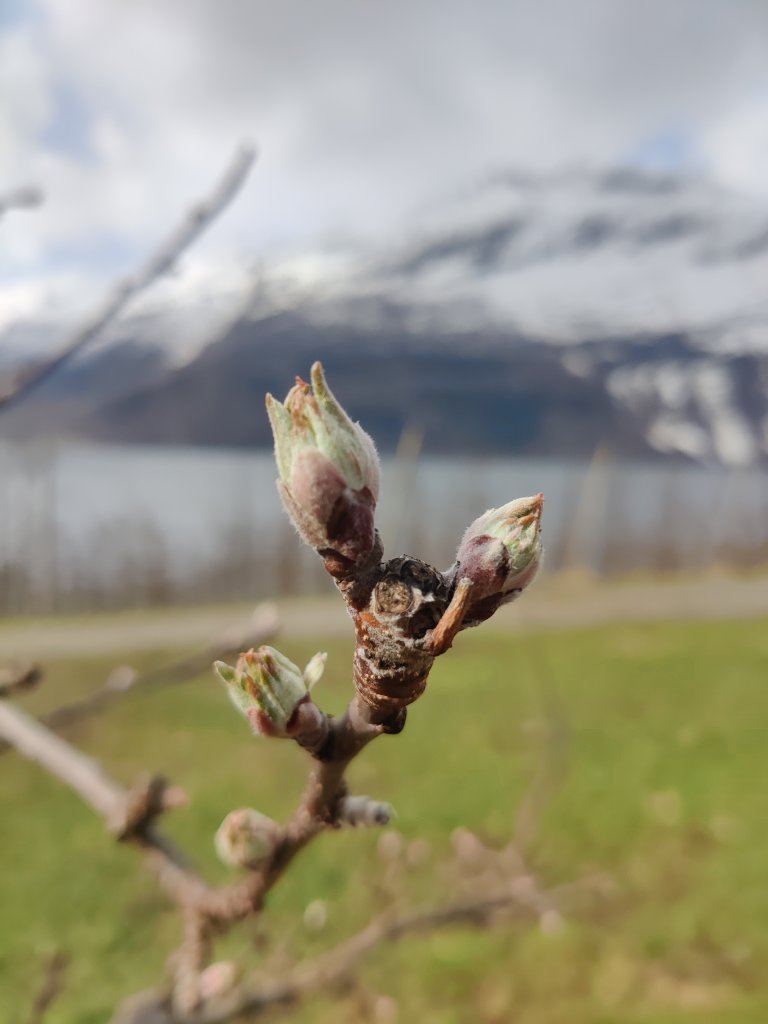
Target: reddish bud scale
<point x="329" y="470"/>
<point x="500" y="553"/>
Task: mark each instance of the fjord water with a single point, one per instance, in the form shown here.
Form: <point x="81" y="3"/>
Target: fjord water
<point x="120" y="524"/>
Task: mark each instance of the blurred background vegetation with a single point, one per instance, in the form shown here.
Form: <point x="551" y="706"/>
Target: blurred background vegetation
<point x="658" y="752"/>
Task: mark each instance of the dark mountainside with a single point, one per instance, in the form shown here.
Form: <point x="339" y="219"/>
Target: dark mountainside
<point x="518" y="399"/>
<point x="478" y="392"/>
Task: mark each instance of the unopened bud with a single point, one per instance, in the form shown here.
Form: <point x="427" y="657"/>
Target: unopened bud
<point x="217" y="979"/>
<point x="362" y="810"/>
<point x="246" y="838"/>
<point x="500" y="553"/>
<point x="329" y="470"/>
<point x="272" y="692"/>
<point x="316" y="916"/>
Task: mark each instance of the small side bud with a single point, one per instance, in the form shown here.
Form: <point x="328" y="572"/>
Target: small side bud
<point x="363" y="811"/>
<point x="216" y="980"/>
<point x="316" y="916"/>
<point x="328" y="467"/>
<point x="246" y="838"/>
<point x="314" y="669"/>
<point x="501" y="553"/>
<point x="272" y="692"/>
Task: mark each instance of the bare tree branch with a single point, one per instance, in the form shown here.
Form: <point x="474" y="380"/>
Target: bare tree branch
<point x="51" y="987"/>
<point x="406" y="613"/>
<point x="16" y="678"/>
<point x="264" y="625"/>
<point x="79" y="772"/>
<point x="129" y="814"/>
<point x="506" y="904"/>
<point x="199" y="217"/>
<point x="131" y="817"/>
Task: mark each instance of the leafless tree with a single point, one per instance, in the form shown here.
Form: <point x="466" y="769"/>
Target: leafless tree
<point x="405" y="614"/>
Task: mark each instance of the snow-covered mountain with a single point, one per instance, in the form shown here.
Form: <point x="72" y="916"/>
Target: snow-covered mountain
<point x="544" y="314"/>
<point x="584" y="254"/>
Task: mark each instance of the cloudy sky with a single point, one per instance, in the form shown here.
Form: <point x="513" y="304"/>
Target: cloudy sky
<point x="365" y="114"/>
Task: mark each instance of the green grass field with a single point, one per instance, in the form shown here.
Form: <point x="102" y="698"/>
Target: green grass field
<point x="662" y="789"/>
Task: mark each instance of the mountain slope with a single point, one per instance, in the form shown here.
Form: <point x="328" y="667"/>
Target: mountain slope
<point x="530" y="315"/>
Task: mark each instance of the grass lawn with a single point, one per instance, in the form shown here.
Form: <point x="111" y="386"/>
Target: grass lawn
<point x="662" y="789"/>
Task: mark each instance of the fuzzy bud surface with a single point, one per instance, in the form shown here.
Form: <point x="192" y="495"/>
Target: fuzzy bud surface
<point x="271" y="691"/>
<point x="501" y="553"/>
<point x="328" y="467"/>
<point x="246" y="838"/>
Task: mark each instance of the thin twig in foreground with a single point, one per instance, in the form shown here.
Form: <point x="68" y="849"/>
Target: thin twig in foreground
<point x="199" y="217"/>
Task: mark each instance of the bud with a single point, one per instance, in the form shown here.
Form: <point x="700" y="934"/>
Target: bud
<point x="316" y="916"/>
<point x="272" y="692"/>
<point x="329" y="470"/>
<point x="217" y="979"/>
<point x="500" y="553"/>
<point x="362" y="810"/>
<point x="246" y="838"/>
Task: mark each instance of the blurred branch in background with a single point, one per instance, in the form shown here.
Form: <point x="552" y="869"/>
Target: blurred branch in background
<point x="51" y="986"/>
<point x="337" y="966"/>
<point x="17" y="678"/>
<point x="199" y="217"/>
<point x="263" y="626"/>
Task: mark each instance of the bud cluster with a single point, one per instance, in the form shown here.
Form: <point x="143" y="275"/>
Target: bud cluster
<point x="405" y="612"/>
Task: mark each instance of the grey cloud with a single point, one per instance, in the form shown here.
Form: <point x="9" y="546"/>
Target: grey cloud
<point x="392" y="99"/>
<point x="638" y="181"/>
<point x="369" y="115"/>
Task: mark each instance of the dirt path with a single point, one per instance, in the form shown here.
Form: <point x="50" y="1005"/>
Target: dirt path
<point x="552" y="604"/>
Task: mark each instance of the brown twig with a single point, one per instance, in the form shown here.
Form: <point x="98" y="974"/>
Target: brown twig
<point x="198" y="218"/>
<point x="131" y="814"/>
<point x="116" y="805"/>
<point x="506" y="904"/>
<point x="51" y="987"/>
<point x="15" y="679"/>
<point x="82" y="774"/>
